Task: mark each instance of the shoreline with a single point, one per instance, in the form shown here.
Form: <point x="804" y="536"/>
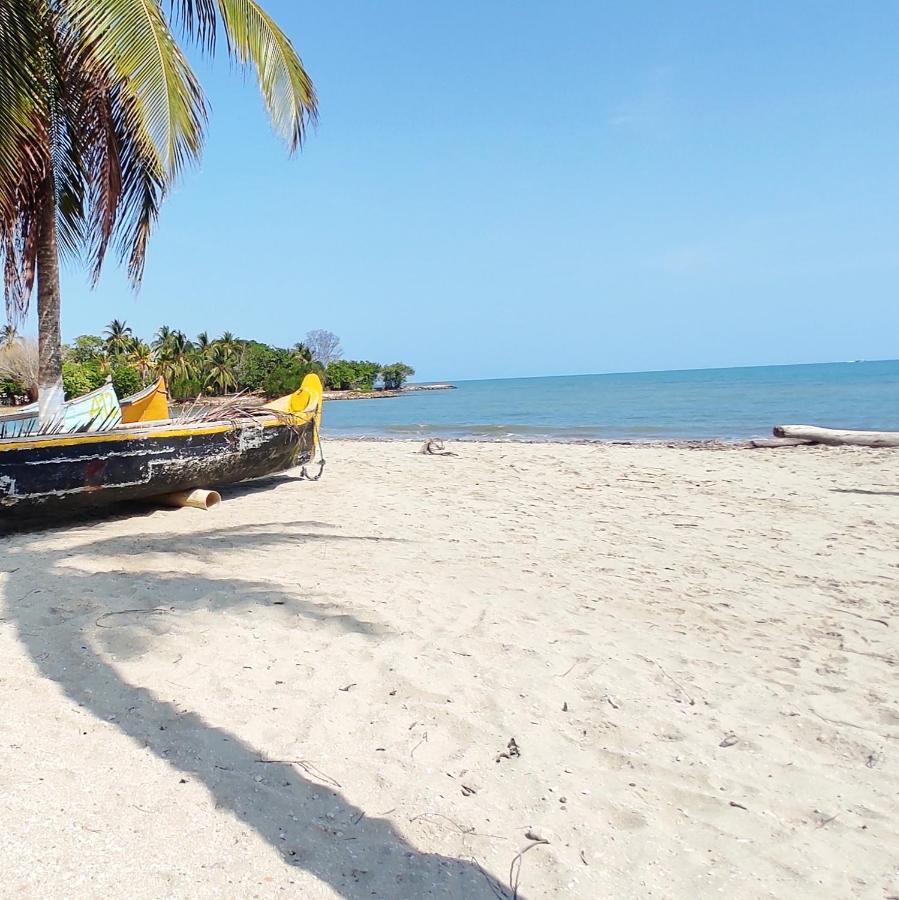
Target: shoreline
<point x="381" y="394"/>
<point x="759" y="443"/>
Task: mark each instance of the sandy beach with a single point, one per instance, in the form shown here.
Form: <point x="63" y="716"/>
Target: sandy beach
<point x="676" y="667"/>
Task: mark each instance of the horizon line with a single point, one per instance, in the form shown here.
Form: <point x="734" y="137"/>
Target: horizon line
<point x="835" y="362"/>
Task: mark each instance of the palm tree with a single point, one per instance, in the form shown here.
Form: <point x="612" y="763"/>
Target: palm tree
<point x="302" y="353"/>
<point x="142" y="357"/>
<point x="203" y="344"/>
<point x="228" y="340"/>
<point x="162" y="338"/>
<point x="220" y="369"/>
<point x="99" y="113"/>
<point x="175" y="359"/>
<point x="8" y="335"/>
<point x="118" y="338"/>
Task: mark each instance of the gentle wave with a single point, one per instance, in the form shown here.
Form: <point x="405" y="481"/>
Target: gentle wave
<point x="523" y="433"/>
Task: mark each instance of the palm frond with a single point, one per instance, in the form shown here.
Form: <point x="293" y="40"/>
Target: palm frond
<point x="100" y="111"/>
<point x="145" y="123"/>
<point x="131" y="39"/>
<point x="21" y="94"/>
<point x="289" y="95"/>
<point x="198" y="19"/>
<point x="23" y="157"/>
<point x="129" y="187"/>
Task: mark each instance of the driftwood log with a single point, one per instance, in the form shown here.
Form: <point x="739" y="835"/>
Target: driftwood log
<point x="836" y="438"/>
<point x="774" y="443"/>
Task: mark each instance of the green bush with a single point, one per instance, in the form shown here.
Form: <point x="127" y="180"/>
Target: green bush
<point x="395" y="375"/>
<point x="79" y="378"/>
<point x="86" y="348"/>
<point x="10" y="389"/>
<point x="126" y="380"/>
<point x="352" y="375"/>
<point x="287" y="376"/>
<point x="283" y="379"/>
<point x="257" y="362"/>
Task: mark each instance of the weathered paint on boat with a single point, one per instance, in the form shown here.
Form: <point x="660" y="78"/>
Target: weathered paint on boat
<point x="149" y="405"/>
<point x="96" y="410"/>
<point x="70" y="473"/>
<point x="51" y="475"/>
<point x="13" y="423"/>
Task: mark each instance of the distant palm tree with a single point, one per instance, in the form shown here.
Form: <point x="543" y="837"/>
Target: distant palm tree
<point x="203" y="344"/>
<point x="228" y="340"/>
<point x="100" y="111"/>
<point x="220" y="373"/>
<point x="175" y="358"/>
<point x="8" y="335"/>
<point x="162" y="338"/>
<point x="142" y="357"/>
<point x="118" y="337"/>
<point x="302" y="352"/>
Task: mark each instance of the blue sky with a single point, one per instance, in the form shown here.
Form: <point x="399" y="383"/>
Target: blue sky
<point x="503" y="188"/>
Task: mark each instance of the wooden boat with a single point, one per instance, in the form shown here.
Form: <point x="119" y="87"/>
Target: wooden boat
<point x="93" y="412"/>
<point x="81" y="414"/>
<point x="58" y="474"/>
<point x="149" y="405"/>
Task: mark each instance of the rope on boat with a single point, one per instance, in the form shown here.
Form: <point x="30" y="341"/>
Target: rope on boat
<point x="321" y="455"/>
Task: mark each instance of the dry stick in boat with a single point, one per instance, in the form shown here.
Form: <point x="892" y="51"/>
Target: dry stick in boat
<point x="837" y="438"/>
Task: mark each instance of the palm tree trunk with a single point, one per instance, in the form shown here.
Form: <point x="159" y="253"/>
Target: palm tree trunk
<point x="50" y="391"/>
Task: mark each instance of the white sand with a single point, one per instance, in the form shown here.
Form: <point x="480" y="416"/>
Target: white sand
<point x="393" y="626"/>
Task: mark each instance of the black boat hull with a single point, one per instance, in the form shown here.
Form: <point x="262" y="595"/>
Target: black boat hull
<point x="69" y="474"/>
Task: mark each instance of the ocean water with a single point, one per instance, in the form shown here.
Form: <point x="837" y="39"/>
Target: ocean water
<point x="726" y="404"/>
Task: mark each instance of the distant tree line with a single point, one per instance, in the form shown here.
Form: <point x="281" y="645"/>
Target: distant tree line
<point x="202" y="366"/>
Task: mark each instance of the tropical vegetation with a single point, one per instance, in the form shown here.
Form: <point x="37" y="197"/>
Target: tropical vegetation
<point x="191" y="367"/>
<point x="100" y="111"/>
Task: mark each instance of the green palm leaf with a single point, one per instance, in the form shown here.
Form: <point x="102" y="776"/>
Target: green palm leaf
<point x="100" y="112"/>
<point x="288" y="92"/>
<point x="131" y="40"/>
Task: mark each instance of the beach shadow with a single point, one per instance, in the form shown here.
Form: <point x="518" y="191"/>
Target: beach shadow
<point x="15" y="523"/>
<point x="71" y="622"/>
<point x="865" y="491"/>
<point x="243" y="488"/>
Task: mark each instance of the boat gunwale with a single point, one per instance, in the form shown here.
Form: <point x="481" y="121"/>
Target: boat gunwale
<point x="142" y="394"/>
<point x="18" y="413"/>
<point x="151" y="430"/>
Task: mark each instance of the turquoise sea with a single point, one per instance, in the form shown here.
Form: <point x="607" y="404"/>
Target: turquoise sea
<point x="727" y="404"/>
